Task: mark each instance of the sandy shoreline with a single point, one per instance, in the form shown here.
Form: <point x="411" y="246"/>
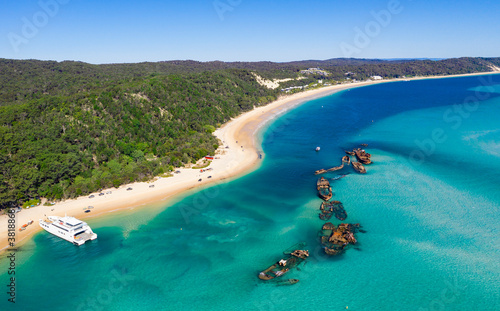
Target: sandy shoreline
<point x="239" y="135"/>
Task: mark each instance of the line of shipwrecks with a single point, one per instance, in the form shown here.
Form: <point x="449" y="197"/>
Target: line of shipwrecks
<point x="361" y="156"/>
<point x="329" y="208"/>
<point x="334" y="239"/>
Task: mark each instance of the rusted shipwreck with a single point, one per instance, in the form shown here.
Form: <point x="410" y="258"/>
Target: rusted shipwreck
<point x="284" y="265"/>
<point x="346" y="159"/>
<point x="336" y="239"/>
<point x="328" y="209"/>
<point x="324" y="189"/>
<point x="362" y="156"/>
<point x="358" y="167"/>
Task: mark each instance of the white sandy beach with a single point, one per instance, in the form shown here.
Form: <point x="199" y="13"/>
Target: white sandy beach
<point x="242" y="155"/>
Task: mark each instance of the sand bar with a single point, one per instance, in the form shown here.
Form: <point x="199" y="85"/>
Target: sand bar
<point x="238" y="154"/>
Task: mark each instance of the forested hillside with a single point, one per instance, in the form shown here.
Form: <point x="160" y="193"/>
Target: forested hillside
<point x="71" y="128"/>
<point x="106" y="134"/>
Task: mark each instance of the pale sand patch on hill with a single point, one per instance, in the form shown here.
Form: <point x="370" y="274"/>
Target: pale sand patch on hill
<point x="272" y="84"/>
<point x="495" y="68"/>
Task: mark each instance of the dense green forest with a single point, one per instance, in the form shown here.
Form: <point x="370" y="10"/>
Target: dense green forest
<point x="57" y="143"/>
<point x="71" y="128"/>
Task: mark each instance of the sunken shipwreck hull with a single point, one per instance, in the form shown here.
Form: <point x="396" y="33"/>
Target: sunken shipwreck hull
<point x="345" y="159"/>
<point x="362" y="156"/>
<point x="336" y="239"/>
<point x="284" y="265"/>
<point x="358" y="167"/>
<point x="324" y="189"/>
<point x="328" y="209"/>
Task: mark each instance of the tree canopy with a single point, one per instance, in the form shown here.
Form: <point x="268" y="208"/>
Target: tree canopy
<point x="71" y="128"/>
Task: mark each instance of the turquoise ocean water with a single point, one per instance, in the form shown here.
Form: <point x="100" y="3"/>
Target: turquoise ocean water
<point x="430" y="206"/>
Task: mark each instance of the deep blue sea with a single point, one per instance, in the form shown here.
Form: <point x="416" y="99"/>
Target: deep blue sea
<point x="429" y="204"/>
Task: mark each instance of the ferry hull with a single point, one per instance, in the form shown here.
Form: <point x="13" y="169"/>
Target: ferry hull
<point x="57" y="227"/>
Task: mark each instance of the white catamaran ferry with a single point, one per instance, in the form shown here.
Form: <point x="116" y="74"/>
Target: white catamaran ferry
<point x="68" y="228"/>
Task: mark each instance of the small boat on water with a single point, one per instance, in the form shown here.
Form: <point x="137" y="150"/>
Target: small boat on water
<point x="284" y="265"/>
<point x="318" y="148"/>
<point x="359" y="167"/>
<point x="324" y="189"/>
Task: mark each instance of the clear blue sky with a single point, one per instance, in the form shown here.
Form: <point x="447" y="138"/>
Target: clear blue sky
<point x="109" y="31"/>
